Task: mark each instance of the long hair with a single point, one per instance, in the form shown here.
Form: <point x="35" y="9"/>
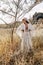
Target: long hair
<point x="25" y="20"/>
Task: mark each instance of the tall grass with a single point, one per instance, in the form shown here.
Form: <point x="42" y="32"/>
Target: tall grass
<point x="7" y="57"/>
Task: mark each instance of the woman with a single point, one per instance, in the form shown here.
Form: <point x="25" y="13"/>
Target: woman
<point x="26" y="28"/>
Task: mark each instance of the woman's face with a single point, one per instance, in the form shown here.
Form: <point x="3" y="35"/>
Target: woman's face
<point x="24" y="21"/>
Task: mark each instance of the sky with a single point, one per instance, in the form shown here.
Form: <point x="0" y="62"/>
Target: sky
<point x="9" y="19"/>
<point x="37" y="8"/>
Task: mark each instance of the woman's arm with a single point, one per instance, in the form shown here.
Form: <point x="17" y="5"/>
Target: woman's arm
<point x="31" y="27"/>
<point x="19" y="30"/>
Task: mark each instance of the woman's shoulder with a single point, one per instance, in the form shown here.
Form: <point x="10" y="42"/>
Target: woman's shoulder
<point x="22" y="25"/>
<point x="29" y="24"/>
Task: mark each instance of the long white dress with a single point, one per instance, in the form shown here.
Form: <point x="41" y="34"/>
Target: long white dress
<point x="26" y="36"/>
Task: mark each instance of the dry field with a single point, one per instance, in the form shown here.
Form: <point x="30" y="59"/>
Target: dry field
<point x="7" y="57"/>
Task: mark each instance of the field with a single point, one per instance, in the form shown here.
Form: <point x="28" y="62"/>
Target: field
<point x="8" y="56"/>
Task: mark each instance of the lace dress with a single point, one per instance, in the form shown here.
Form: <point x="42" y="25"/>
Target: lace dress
<point x="26" y="43"/>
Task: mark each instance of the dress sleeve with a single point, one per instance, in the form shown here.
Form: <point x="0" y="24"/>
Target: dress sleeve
<point x="18" y="31"/>
<point x="31" y="27"/>
<point x="19" y="28"/>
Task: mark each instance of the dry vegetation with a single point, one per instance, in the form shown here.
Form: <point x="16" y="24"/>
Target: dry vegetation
<point x="34" y="57"/>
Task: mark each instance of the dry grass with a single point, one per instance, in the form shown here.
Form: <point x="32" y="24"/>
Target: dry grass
<point x="5" y="44"/>
<point x="7" y="57"/>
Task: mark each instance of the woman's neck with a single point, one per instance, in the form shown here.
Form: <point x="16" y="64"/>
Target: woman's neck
<point x="26" y="27"/>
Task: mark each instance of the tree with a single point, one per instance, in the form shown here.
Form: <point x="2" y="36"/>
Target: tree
<point x="38" y="0"/>
<point x="16" y="9"/>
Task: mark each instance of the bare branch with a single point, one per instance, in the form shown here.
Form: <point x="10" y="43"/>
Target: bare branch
<point x="17" y="10"/>
<point x="3" y="21"/>
<point x="27" y="10"/>
<point x="10" y="7"/>
<point x="7" y="13"/>
<point x="25" y="1"/>
<point x="17" y="5"/>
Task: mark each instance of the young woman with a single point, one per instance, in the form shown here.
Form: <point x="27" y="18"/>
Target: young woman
<point x="25" y="28"/>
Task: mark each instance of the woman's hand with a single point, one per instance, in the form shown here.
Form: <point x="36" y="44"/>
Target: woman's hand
<point x="29" y="29"/>
<point x="22" y="30"/>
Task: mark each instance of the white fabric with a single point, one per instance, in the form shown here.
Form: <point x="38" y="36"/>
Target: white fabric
<point x="26" y="43"/>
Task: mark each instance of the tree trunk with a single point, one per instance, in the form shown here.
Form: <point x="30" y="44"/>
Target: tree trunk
<point x="12" y="31"/>
<point x="38" y="0"/>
